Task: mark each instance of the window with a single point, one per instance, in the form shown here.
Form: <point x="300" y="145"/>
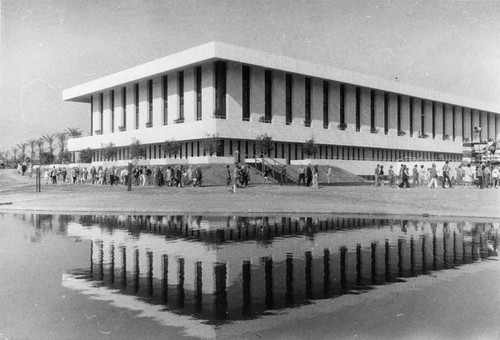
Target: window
<point x="326" y="91"/>
<point x="150" y="101"/>
<point x="136" y="101"/>
<point x="342" y="104"/>
<point x="112" y="107"/>
<point x="411" y="115"/>
<point x="220" y="89"/>
<point x="245" y="75"/>
<point x="268" y="95"/>
<point x="358" y="108"/>
<point x="307" y="100"/>
<point x="386" y="113"/>
<point x="444" y="119"/>
<point x="124" y="108"/>
<point x="198" y="93"/>
<point x="399" y="112"/>
<point x="101" y="110"/>
<point x="91" y="115"/>
<point x="372" y="111"/>
<point x="433" y="119"/>
<point x="180" y="90"/>
<point x="288" y="99"/>
<point x="165" y="100"/>
<point x="422" y="117"/>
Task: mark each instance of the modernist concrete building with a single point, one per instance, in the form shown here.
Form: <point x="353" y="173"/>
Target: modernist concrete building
<point x="239" y="93"/>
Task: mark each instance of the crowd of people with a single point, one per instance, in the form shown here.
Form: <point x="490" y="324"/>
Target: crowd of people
<point x="481" y="176"/>
<point x="171" y="176"/>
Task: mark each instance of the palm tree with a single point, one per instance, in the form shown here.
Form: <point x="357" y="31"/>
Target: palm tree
<point x="14" y="150"/>
<point x="32" y="143"/>
<point x="22" y="147"/>
<point x="39" y="143"/>
<point x="61" y="138"/>
<point x="74" y="132"/>
<point x="50" y="139"/>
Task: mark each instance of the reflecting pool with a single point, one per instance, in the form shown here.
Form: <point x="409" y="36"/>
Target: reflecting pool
<point x="143" y="276"/>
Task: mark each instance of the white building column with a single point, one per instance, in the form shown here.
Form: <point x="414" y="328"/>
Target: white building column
<point x="393" y="114"/>
<point x="405" y="114"/>
<point x="350" y="107"/>
<point x="379" y="111"/>
<point x="475" y="122"/>
<point x="234" y="94"/>
<point x="256" y="93"/>
<point x="130" y="108"/>
<point x="207" y="92"/>
<point x="157" y="102"/>
<point x="334" y="105"/>
<point x="143" y="104"/>
<point x="458" y="123"/>
<point x="497" y="127"/>
<point x="417" y="121"/>
<point x="365" y="110"/>
<point x="467" y="124"/>
<point x="279" y="98"/>
<point x="173" y="98"/>
<point x="106" y="122"/>
<point x="449" y="121"/>
<point x="189" y="95"/>
<point x="96" y="114"/>
<point x="317" y="103"/>
<point x="298" y="100"/>
<point x="491" y="126"/>
<point x="484" y="125"/>
<point x="438" y="120"/>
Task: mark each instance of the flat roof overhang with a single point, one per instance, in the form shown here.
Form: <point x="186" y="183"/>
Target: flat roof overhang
<point x="222" y="51"/>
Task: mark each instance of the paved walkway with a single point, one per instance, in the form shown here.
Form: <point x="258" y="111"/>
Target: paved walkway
<point x="456" y="202"/>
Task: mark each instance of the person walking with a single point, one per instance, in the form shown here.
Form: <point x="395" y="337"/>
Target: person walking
<point x="391" y="176"/>
<point x="377" y="175"/>
<point x="309" y="175"/>
<point x="495" y="175"/>
<point x="302" y="176"/>
<point x="228" y="176"/>
<point x="329" y="175"/>
<point x="283" y="175"/>
<point x="381" y="176"/>
<point x="415" y="176"/>
<point x="315" y="178"/>
<point x="446" y="175"/>
<point x="405" y="178"/>
<point x="433" y="177"/>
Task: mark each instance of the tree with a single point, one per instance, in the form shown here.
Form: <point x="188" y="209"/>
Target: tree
<point x="61" y="138"/>
<point x="265" y="144"/>
<point x="40" y="143"/>
<point x="137" y="150"/>
<point x="86" y="155"/>
<point x="14" y="150"/>
<point x="32" y="143"/>
<point x="64" y="156"/>
<point x="74" y="132"/>
<point x="50" y="139"/>
<point x="47" y="158"/>
<point x="22" y="147"/>
<point x="310" y="148"/>
<point x="108" y="151"/>
<point x="211" y="144"/>
<point x="172" y="147"/>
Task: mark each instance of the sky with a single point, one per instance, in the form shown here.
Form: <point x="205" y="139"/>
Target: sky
<point x="50" y="45"/>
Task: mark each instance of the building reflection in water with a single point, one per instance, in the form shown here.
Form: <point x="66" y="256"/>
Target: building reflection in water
<point x="218" y="269"/>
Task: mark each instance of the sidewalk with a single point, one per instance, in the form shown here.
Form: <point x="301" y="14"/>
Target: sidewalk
<point x="275" y="199"/>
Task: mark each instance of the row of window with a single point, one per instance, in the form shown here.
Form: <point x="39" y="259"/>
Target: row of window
<point x="290" y="151"/>
<point x="423" y="117"/>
